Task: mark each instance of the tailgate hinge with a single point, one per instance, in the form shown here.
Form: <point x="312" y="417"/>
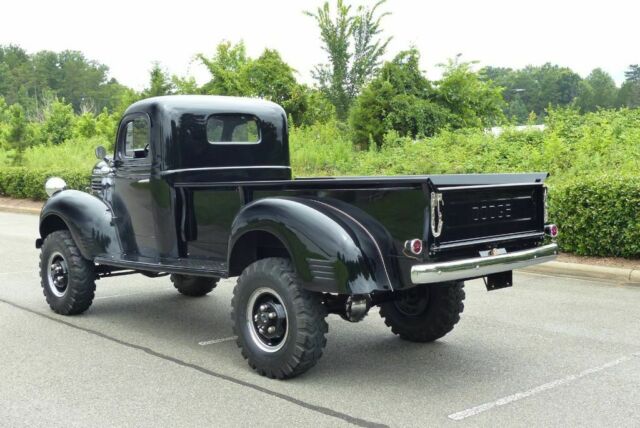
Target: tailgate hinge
<point x="437" y="219"/>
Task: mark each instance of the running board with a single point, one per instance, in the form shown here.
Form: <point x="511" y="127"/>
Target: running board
<point x="196" y="267"/>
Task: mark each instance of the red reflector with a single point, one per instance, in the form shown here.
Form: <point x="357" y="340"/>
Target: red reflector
<point x="551" y="230"/>
<point x="416" y="246"/>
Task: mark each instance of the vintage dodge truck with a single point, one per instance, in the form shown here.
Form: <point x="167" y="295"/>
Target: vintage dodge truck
<point x="200" y="188"/>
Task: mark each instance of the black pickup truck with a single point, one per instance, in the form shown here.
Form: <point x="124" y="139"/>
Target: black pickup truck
<point x="200" y="188"/>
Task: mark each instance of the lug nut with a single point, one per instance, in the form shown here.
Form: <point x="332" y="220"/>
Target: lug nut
<point x="271" y="330"/>
<point x="263" y="308"/>
<point x="255" y="317"/>
<point x="272" y="315"/>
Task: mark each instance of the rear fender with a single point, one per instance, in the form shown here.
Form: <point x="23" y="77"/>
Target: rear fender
<point x="88" y="219"/>
<point x="334" y="246"/>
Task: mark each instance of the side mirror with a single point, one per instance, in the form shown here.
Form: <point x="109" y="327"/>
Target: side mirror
<point x="101" y="153"/>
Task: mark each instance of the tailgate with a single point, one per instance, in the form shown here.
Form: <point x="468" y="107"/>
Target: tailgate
<point x="462" y="215"/>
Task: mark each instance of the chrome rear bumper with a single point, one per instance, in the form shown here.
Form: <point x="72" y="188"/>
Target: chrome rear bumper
<point x="481" y="266"/>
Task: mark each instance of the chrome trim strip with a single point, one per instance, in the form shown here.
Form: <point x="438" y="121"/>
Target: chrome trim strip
<point x="384" y="265"/>
<point x="481" y="266"/>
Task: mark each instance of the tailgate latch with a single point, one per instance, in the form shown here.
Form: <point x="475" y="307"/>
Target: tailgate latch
<point x="436" y="214"/>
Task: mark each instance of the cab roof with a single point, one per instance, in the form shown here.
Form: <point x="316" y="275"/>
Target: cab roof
<point x="208" y="104"/>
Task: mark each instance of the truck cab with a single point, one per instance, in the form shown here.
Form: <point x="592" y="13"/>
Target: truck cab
<point x="200" y="188"/>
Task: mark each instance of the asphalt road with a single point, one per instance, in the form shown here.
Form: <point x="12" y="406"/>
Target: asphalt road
<point x="549" y="351"/>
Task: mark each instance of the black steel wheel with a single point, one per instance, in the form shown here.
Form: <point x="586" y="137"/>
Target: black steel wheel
<point x="67" y="279"/>
<point x="193" y="286"/>
<point x="425" y="313"/>
<point x="280" y="326"/>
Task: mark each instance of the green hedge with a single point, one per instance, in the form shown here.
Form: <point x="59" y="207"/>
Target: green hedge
<point x="18" y="182"/>
<point x="598" y="216"/>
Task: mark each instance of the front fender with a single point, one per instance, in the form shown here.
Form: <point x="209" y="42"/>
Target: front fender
<point x="89" y="220"/>
<point x="334" y="246"/>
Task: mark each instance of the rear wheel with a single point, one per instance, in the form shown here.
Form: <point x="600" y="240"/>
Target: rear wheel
<point x="425" y="314"/>
<point x="67" y="279"/>
<point x="193" y="286"/>
<point x="280" y="326"/>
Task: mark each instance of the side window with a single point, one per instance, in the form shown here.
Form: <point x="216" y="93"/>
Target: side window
<point x="233" y="128"/>
<point x="136" y="139"/>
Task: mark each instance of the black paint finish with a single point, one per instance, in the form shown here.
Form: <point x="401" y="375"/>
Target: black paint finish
<point x="186" y="205"/>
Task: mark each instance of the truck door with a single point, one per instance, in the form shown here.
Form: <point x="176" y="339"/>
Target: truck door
<point x="132" y="193"/>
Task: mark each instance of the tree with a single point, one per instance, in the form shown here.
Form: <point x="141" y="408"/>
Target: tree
<point x="535" y="87"/>
<point x="629" y="94"/>
<point x="159" y="82"/>
<point x="58" y="124"/>
<point x="598" y="90"/>
<point x="29" y="79"/>
<point x="317" y="108"/>
<point x="225" y="67"/>
<point x="185" y="85"/>
<point x="268" y="77"/>
<point x="17" y="132"/>
<point x="354" y="48"/>
<point x="472" y="101"/>
<point x="633" y="73"/>
<point x="400" y="99"/>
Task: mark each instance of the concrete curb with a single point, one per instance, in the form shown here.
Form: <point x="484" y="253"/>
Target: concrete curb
<point x="614" y="274"/>
<point x="19" y="209"/>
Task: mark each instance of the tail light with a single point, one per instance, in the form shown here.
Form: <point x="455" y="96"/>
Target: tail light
<point x="551" y="230"/>
<point x="414" y="245"/>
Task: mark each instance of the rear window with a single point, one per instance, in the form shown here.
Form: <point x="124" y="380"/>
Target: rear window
<point x="233" y="128"/>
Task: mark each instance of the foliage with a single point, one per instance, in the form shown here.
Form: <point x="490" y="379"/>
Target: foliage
<point x="537" y="87"/>
<point x="268" y="77"/>
<point x="354" y="48"/>
<point x="20" y="182"/>
<point x="401" y="99"/>
<point x="58" y="123"/>
<point x="225" y="68"/>
<point x="27" y="79"/>
<point x="159" y="82"/>
<point x="629" y="94"/>
<point x="598" y="216"/>
<point x="472" y="102"/>
<point x="598" y="90"/>
<point x="16" y="135"/>
<point x="571" y="147"/>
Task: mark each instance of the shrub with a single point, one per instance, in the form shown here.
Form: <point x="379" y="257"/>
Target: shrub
<point x="19" y="182"/>
<point x="598" y="216"/>
<point x="77" y="152"/>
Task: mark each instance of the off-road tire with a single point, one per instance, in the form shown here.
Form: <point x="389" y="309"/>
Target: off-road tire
<point x="304" y="339"/>
<point x="193" y="286"/>
<point x="442" y="312"/>
<point x="80" y="289"/>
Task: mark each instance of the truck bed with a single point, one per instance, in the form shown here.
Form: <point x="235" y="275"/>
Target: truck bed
<point x="478" y="211"/>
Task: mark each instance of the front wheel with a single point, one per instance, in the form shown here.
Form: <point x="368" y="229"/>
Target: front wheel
<point x="425" y="313"/>
<point x="280" y="326"/>
<point x="67" y="279"/>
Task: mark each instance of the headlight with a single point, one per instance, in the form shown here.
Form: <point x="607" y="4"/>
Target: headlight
<point x="54" y="185"/>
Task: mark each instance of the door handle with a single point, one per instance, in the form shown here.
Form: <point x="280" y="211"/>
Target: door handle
<point x="143" y="181"/>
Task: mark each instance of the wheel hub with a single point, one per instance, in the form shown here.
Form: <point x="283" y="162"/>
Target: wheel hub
<point x="267" y="320"/>
<point x="57" y="274"/>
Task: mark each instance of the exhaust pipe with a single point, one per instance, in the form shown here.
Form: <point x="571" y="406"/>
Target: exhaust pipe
<point x="356" y="307"/>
